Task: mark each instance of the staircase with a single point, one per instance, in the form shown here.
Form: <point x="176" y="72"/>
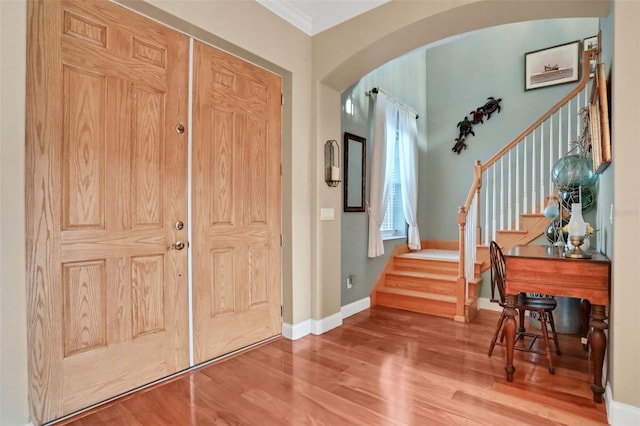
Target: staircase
<point x="505" y="204"/>
<point x="532" y="226"/>
<point x="425" y="281"/>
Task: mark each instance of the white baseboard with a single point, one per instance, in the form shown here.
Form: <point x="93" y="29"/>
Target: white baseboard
<point x="355" y="307"/>
<point x="296" y="331"/>
<point x="486" y="303"/>
<point x="619" y="414"/>
<point x="311" y="326"/>
<point x="325" y="324"/>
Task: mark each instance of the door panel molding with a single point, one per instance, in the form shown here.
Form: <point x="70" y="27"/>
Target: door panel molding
<point x="106" y="181"/>
<point x="235" y="203"/>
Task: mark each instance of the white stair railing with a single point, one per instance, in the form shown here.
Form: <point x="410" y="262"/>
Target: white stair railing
<point x="470" y="255"/>
<point x="519" y="182"/>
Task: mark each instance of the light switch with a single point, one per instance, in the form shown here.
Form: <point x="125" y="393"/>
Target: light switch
<point x="611" y="214"/>
<point x="326" y="214"/>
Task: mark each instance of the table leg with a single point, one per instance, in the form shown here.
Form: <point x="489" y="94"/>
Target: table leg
<point x="585" y="313"/>
<point x="598" y="343"/>
<point x="510" y="334"/>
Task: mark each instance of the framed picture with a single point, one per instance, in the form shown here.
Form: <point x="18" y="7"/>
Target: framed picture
<point x="599" y="122"/>
<point x="551" y="66"/>
<point x="588" y="44"/>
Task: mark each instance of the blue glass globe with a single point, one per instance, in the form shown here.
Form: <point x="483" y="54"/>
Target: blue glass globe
<point x="573" y="196"/>
<point x="553" y="232"/>
<point x="573" y="171"/>
<point x="551" y="212"/>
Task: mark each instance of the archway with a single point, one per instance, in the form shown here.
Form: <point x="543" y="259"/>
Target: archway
<point x="344" y="54"/>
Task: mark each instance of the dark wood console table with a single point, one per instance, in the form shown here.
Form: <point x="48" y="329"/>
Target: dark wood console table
<point x="542" y="269"/>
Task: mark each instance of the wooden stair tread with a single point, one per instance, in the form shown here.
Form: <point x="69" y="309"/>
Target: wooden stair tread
<point x="513" y="231"/>
<point x="433" y="254"/>
<point x="433" y="259"/>
<point x="531" y="215"/>
<point x="475" y="280"/>
<point x="426" y="275"/>
<point x="423" y="280"/>
<point x="417" y="294"/>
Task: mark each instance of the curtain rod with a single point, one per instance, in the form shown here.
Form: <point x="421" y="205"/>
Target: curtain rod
<point x="375" y="91"/>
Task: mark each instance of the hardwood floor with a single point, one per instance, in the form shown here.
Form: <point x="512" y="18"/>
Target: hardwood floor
<point x="382" y="367"/>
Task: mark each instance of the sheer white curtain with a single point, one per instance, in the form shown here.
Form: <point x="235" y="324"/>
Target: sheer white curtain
<point x="392" y="120"/>
<point x="385" y="112"/>
<point x="408" y="154"/>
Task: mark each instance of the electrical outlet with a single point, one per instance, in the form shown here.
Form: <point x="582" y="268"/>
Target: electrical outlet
<point x="351" y="280"/>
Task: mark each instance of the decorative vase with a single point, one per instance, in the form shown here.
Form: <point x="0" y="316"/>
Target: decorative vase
<point x="551" y="212"/>
<point x="554" y="232"/>
<point x="573" y="171"/>
<point x="584" y="195"/>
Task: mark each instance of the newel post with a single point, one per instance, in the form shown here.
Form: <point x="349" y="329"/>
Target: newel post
<point x="462" y="281"/>
<point x="477" y="173"/>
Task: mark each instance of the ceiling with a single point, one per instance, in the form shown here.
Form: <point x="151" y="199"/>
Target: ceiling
<point x="314" y="16"/>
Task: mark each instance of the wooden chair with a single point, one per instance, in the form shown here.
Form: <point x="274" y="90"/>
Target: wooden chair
<point x="542" y="305"/>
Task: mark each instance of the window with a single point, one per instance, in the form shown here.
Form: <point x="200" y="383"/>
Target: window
<point x="349" y="108"/>
<point x="394" y="176"/>
<point x="394" y="223"/>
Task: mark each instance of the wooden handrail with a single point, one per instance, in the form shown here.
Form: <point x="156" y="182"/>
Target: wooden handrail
<point x="477" y="181"/>
<point x="581" y="85"/>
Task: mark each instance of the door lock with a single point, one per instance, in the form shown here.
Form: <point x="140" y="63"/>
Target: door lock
<point x="178" y="245"/>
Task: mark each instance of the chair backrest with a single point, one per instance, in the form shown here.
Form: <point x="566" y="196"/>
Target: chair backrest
<point x="497" y="272"/>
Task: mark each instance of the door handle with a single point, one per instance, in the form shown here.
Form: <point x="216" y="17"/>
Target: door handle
<point x="178" y="245"/>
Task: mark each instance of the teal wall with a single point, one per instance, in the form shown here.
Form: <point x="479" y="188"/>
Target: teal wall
<point x="460" y="76"/>
<point x="444" y="82"/>
<point x="403" y="79"/>
<point x="604" y="220"/>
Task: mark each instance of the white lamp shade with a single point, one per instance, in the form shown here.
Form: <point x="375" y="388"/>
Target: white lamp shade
<point x="577" y="226"/>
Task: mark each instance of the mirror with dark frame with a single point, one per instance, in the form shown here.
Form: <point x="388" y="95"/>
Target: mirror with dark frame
<point x="355" y="149"/>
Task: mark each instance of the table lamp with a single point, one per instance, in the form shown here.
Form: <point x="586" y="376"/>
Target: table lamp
<point x="577" y="232"/>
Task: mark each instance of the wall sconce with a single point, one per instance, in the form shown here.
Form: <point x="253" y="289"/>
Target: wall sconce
<point x="332" y="163"/>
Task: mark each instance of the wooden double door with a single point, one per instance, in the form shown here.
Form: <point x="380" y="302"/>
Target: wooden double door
<point x="109" y="229"/>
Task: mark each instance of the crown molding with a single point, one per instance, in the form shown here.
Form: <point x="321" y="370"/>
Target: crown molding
<point x="287" y="11"/>
<point x="315" y="16"/>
